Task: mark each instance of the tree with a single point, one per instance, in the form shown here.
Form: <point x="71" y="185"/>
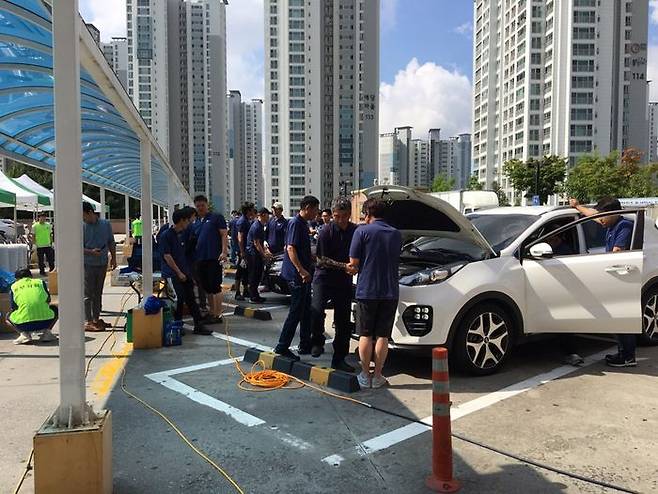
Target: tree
<point x="522" y="176"/>
<point x="15" y="169"/>
<point x="443" y="184"/>
<point x="474" y="183"/>
<point x="596" y="176"/>
<point x="502" y="197"/>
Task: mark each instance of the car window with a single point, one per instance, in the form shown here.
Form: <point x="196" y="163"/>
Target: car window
<point x="565" y="243"/>
<point x="594" y="236"/>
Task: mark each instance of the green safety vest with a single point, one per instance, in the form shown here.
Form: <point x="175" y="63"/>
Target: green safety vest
<point x="137" y="228"/>
<point x="42" y="234"/>
<point x="31" y="298"/>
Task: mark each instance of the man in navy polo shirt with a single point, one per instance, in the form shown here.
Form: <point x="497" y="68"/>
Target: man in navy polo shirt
<point x="618" y="236"/>
<point x="211" y="252"/>
<point x="296" y="270"/>
<point x="177" y="268"/>
<point x="257" y="254"/>
<point x="276" y="230"/>
<point x="233" y="234"/>
<point x="332" y="282"/>
<point x="242" y="230"/>
<point x="375" y="254"/>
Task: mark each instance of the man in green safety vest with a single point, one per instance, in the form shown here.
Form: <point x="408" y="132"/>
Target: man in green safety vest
<point x="42" y="236"/>
<point x="137" y="230"/>
<point x="31" y="311"/>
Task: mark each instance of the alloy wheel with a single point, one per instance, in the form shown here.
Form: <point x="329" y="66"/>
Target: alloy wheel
<point x="487" y="340"/>
<point x="650" y="318"/>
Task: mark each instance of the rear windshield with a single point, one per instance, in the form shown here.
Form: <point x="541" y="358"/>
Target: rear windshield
<point x="501" y="230"/>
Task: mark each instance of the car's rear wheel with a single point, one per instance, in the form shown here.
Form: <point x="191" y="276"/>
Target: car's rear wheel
<point x="649" y="334"/>
<point x="483" y="340"/>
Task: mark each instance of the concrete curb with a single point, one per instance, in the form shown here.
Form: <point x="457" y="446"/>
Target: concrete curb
<point x="261" y="315"/>
<point x="322" y="376"/>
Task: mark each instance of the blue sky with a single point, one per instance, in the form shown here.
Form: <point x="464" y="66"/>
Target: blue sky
<point x="425" y="63"/>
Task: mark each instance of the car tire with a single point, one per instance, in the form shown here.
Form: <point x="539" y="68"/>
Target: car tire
<point x="478" y="348"/>
<point x="649" y="334"/>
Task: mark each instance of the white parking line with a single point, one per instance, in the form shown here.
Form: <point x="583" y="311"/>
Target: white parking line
<point x="396" y="436"/>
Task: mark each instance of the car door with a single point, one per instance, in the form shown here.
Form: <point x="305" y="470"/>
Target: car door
<point x="584" y="292"/>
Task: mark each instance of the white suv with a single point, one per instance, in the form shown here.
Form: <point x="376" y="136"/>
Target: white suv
<point x="477" y="284"/>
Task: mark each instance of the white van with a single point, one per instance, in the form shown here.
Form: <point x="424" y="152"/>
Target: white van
<point x="469" y="201"/>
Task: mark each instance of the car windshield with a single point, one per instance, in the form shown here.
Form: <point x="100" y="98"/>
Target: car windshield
<point x="501" y="230"/>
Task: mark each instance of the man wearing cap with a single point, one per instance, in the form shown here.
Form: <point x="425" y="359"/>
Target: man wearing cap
<point x="42" y="236"/>
<point x="257" y="254"/>
<point x="618" y="236"/>
<point x="276" y="230"/>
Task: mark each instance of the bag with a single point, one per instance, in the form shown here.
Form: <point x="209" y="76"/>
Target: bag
<point x="6" y="280"/>
<point x="152" y="305"/>
<point x="172" y="333"/>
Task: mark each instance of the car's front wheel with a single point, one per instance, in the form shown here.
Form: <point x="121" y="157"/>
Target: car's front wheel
<point x="483" y="340"/>
<point x="649" y="334"/>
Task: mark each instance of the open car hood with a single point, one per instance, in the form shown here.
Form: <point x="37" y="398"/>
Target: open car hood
<point x="419" y="214"/>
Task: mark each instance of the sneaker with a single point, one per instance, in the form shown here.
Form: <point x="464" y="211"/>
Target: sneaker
<point x="317" y="350"/>
<point x="23" y="339"/>
<point x="612" y="356"/>
<point x="378" y="382"/>
<point x="202" y="330"/>
<point x="304" y="351"/>
<point x="91" y="327"/>
<point x="102" y="324"/>
<point x="343" y="366"/>
<point x="620" y="361"/>
<point x="47" y="336"/>
<point x="288" y="354"/>
<point x="364" y="380"/>
<point x="574" y="359"/>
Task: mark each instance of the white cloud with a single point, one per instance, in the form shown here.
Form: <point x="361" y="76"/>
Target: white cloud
<point x="111" y="21"/>
<point x="388" y="14"/>
<point x="652" y="71"/>
<point x="466" y="29"/>
<point x="426" y="96"/>
<point x="653" y="15"/>
<point x="244" y="39"/>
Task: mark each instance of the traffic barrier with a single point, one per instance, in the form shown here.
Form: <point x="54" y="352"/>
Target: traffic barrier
<point x="261" y="315"/>
<point x="441" y="479"/>
<point x="322" y="376"/>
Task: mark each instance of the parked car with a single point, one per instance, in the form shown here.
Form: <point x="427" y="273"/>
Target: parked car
<point x="478" y="284"/>
<point x="7" y="228"/>
<point x="272" y="279"/>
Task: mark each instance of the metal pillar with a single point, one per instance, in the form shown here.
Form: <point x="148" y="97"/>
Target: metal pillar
<point x="103" y="214"/>
<point x="147" y="217"/>
<point x="127" y="215"/>
<point x="72" y="410"/>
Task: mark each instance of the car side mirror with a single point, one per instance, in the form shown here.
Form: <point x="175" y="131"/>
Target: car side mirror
<point x="542" y="250"/>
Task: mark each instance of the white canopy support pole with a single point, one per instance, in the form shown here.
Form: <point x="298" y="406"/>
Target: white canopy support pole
<point x="103" y="214"/>
<point x="72" y="410"/>
<point x="15" y="223"/>
<point x="159" y="216"/>
<point x="170" y="199"/>
<point x="147" y="217"/>
<point x="3" y="164"/>
<point x="127" y="215"/>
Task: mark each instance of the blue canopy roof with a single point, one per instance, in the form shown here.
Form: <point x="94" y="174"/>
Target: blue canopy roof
<point x="110" y="147"/>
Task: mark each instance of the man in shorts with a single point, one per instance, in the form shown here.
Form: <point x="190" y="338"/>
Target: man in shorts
<point x="375" y="255"/>
<point x="211" y="252"/>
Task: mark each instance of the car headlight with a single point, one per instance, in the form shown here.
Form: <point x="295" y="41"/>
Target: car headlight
<point x="430" y="276"/>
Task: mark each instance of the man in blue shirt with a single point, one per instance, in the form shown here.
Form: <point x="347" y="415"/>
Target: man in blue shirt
<point x="618" y="236"/>
<point x="257" y="254"/>
<point x="176" y="266"/>
<point x="98" y="241"/>
<point x="242" y="230"/>
<point x="276" y="230"/>
<point x="375" y="255"/>
<point x="233" y="234"/>
<point x="296" y="271"/>
<point x="332" y="282"/>
<point x="211" y="252"/>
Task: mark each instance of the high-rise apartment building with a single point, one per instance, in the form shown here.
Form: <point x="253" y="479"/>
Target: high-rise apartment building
<point x="245" y="142"/>
<point x="322" y="98"/>
<point x="557" y="77"/>
<point x="116" y="54"/>
<point x="417" y="162"/>
<point x="652" y="153"/>
<point x="177" y="79"/>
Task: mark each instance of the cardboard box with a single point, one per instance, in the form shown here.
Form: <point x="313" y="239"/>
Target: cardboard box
<point x="77" y="461"/>
<point x="146" y="330"/>
<point x="52" y="282"/>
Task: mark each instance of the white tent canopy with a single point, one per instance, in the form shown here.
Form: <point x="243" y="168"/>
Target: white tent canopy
<point x="27" y="182"/>
<point x="25" y="200"/>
